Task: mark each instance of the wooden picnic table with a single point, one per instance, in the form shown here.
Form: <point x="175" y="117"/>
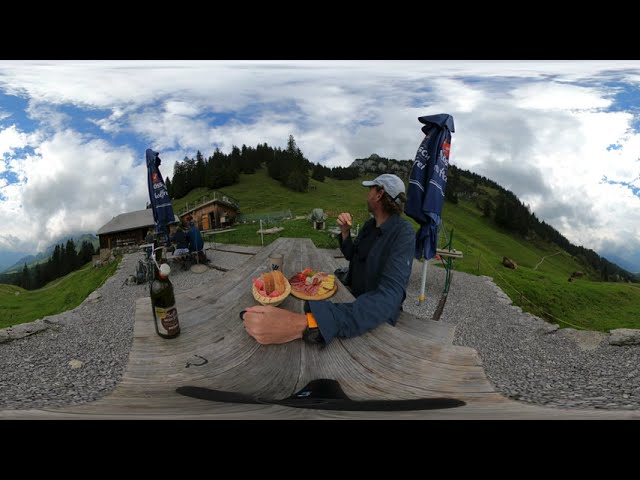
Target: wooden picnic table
<point x="415" y="359"/>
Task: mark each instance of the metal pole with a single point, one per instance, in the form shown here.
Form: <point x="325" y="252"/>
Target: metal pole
<point x="261" y="234"/>
<point x="421" y="298"/>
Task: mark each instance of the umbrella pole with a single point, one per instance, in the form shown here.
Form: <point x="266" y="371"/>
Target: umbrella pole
<point x="421" y="298"/>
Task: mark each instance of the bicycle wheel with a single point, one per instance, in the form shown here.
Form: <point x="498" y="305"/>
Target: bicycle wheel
<point x="150" y="271"/>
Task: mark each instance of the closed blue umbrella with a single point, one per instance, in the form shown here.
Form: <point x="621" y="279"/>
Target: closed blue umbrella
<point x="427" y="184"/>
<point x="159" y="196"/>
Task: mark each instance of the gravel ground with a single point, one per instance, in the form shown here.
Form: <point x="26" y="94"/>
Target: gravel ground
<point x="38" y="371"/>
<point x="523" y="357"/>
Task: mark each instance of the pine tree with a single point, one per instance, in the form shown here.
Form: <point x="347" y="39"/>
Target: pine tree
<point x="54" y="264"/>
<point x="179" y="185"/>
<point x="318" y="173"/>
<point x="200" y="171"/>
<point x="24" y="279"/>
<point x="72" y="255"/>
<point x="292" y="148"/>
<point x="605" y="272"/>
<point x="37" y="279"/>
<point x="298" y="181"/>
<point x="487" y="208"/>
<point x="86" y="252"/>
<point x="451" y="192"/>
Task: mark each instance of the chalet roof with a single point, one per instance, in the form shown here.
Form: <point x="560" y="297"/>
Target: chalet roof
<point x="223" y="200"/>
<point x="129" y="221"/>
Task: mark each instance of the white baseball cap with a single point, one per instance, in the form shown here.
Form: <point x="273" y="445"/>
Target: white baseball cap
<point x="392" y="184"/>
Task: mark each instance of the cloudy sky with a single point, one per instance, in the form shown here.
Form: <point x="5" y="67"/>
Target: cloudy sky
<point x="562" y="135"/>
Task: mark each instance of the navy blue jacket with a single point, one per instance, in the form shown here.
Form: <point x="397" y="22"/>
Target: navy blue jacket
<point x="181" y="239"/>
<point x="388" y="271"/>
<point x="195" y="239"/>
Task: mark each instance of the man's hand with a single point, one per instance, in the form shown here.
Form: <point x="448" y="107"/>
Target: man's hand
<point x="274" y="325"/>
<point x="344" y="222"/>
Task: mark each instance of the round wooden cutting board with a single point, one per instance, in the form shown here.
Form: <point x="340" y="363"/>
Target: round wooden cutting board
<point x="320" y="296"/>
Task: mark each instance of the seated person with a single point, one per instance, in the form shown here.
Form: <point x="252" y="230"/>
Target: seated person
<point x="148" y="240"/>
<point x="196" y="242"/>
<point x="380" y="261"/>
<point x="182" y="242"/>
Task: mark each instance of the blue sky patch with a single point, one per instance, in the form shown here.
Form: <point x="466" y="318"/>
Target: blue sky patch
<point x="629" y="185"/>
<point x="16" y="106"/>
<point x="80" y="118"/>
<point x="626" y="98"/>
<point x="10" y="176"/>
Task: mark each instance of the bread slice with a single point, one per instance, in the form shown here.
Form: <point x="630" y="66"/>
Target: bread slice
<point x="279" y="281"/>
<point x="269" y="284"/>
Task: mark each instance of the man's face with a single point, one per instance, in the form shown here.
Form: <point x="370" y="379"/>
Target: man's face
<point x="373" y="197"/>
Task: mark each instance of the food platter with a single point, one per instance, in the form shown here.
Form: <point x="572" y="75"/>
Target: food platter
<point x="320" y="296"/>
<point x="273" y="301"/>
<point x="274" y="282"/>
<point x="314" y="290"/>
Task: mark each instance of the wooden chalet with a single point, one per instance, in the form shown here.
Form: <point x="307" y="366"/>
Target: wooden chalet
<point x="210" y="214"/>
<point x="126" y="229"/>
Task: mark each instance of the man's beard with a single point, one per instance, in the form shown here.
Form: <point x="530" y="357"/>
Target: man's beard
<point x="369" y="207"/>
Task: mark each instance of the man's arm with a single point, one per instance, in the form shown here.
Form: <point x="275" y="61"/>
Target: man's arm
<point x="344" y="237"/>
<point x="372" y="308"/>
<point x="346" y="246"/>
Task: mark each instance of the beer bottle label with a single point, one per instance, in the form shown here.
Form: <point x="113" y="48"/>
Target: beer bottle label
<point x="168" y="320"/>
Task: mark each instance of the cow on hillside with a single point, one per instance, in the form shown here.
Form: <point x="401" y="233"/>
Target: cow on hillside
<point x="575" y="275"/>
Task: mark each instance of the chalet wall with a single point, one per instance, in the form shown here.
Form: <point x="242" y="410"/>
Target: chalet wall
<point x="213" y="215"/>
<point x="123" y="238"/>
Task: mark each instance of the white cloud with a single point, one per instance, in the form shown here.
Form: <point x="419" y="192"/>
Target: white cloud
<point x="540" y="129"/>
<point x="47" y="115"/>
<point x="186" y="109"/>
<point x="558" y="96"/>
<point x="72" y="184"/>
<point x="12" y="139"/>
<point x="168" y="130"/>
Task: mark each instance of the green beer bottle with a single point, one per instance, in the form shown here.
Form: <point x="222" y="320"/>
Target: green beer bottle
<point x="163" y="302"/>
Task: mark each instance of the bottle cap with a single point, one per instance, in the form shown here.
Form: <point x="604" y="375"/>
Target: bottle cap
<point x="165" y="270"/>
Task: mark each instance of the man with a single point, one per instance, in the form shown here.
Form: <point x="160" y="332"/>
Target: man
<point x="379" y="270"/>
<point x="181" y="240"/>
<point x="196" y="242"/>
<point x="148" y="240"/>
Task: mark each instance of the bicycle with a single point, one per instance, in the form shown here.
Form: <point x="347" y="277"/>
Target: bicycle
<point x="148" y="266"/>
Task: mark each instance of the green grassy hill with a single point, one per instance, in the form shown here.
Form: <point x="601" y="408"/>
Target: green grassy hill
<point x="540" y="288"/>
<point x="260" y="193"/>
<point x="18" y="305"/>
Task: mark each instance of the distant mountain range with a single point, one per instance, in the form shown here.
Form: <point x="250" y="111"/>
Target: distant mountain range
<point x="42" y="257"/>
<point x="7" y="259"/>
<point x="631" y="264"/>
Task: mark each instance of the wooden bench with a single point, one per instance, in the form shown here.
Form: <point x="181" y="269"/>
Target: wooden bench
<point x="181" y="259"/>
<point x="186" y="258"/>
<point x="443" y="252"/>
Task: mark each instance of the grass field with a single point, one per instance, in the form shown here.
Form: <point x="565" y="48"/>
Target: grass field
<point x="18" y="305"/>
<point x="544" y="291"/>
<point x="260" y="193"/>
